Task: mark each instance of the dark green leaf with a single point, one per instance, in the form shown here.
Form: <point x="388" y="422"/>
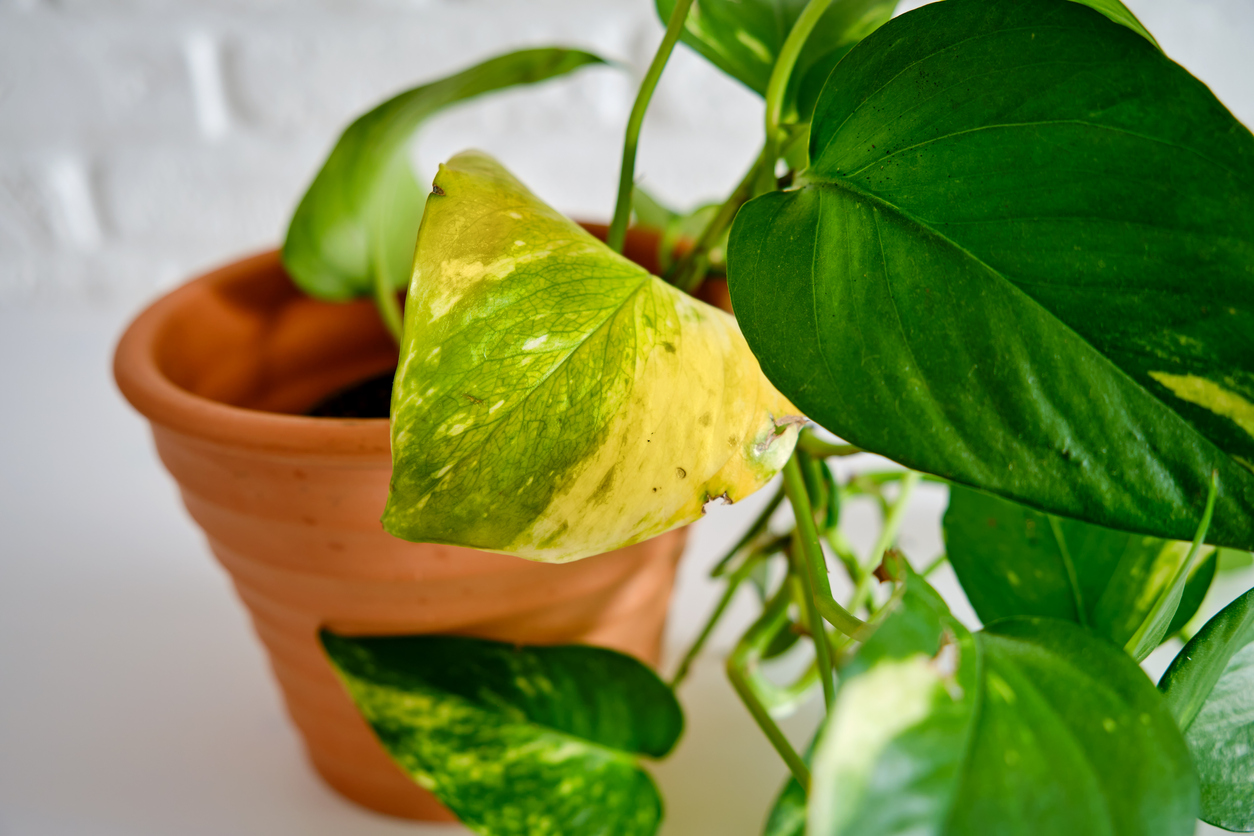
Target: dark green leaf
<point x="1014" y="561"/>
<point x="360" y="217"/>
<point x="1022" y="259"/>
<point x="1119" y="13"/>
<point x="1210" y="689"/>
<point x="743" y="38"/>
<point x="517" y="741"/>
<point x="1033" y="726"/>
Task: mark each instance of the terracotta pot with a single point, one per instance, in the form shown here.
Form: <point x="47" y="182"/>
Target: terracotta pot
<point x="222" y="368"/>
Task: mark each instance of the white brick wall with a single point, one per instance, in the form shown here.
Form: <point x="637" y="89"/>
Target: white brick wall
<point x="141" y="140"/>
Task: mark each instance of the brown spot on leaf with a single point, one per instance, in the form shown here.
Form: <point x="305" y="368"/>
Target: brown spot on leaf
<point x="706" y="419"/>
<point x="670" y="347"/>
<point x="681" y="473"/>
<point x="436" y="190"/>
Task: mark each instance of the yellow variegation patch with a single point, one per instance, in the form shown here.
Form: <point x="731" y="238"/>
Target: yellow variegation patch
<point x="555" y="400"/>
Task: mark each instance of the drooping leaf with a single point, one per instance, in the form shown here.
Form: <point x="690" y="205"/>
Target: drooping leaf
<point x="1014" y="561"/>
<point x="743" y="38"/>
<point x="554" y="400"/>
<point x="1022" y="259"/>
<point x="1210" y="690"/>
<point x="1033" y="726"/>
<point x="517" y="741"/>
<point x="360" y="216"/>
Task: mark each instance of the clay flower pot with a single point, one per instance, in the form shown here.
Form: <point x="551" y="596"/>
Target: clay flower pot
<point x="223" y="367"/>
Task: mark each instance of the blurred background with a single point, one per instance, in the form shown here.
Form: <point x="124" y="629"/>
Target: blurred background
<point x="144" y="141"/>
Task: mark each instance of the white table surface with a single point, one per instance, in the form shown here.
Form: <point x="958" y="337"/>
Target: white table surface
<point x="134" y="699"/>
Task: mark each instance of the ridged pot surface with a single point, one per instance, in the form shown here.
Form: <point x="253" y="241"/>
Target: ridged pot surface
<point x="223" y="367"/>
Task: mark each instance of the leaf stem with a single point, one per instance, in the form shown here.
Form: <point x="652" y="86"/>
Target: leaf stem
<point x="812" y="553"/>
<point x="888" y="534"/>
<point x="777" y="86"/>
<point x="759" y="525"/>
<point x="389" y="309"/>
<point x="938" y="562"/>
<point x="822" y="651"/>
<point x="626" y="179"/>
<point x="688" y="273"/>
<point x="733" y="583"/>
<point x="821" y="449"/>
<point x="744" y="659"/>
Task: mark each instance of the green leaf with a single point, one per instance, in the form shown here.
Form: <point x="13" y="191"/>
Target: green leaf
<point x="1199" y="583"/>
<point x="1120" y="14"/>
<point x="554" y="400"/>
<point x="1234" y="560"/>
<point x="1033" y="726"/>
<point x="1022" y="259"/>
<point x="357" y="223"/>
<point x="743" y="39"/>
<point x="517" y="741"/>
<point x="1014" y="561"/>
<point x="1210" y="690"/>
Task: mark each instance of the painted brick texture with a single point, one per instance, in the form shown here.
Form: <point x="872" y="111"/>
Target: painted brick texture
<point x="143" y="140"/>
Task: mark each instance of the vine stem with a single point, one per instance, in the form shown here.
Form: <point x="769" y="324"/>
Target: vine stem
<point x="689" y="271"/>
<point x="777" y="86"/>
<point x="821" y="449"/>
<point x="626" y="178"/>
<point x="892" y="523"/>
<point x="744" y="658"/>
<point x="733" y="583"/>
<point x="812" y="551"/>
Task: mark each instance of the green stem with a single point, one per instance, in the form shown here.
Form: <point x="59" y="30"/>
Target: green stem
<point x="812" y="551"/>
<point x="389" y="309"/>
<point x="626" y="179"/>
<point x="777" y="86"/>
<point x="888" y="534"/>
<point x="759" y="525"/>
<point x="822" y="651"/>
<point x="935" y="564"/>
<point x="733" y="583"/>
<point x="688" y="273"/>
<point x="740" y="665"/>
<point x="821" y="449"/>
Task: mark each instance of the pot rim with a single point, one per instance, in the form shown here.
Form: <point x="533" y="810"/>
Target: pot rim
<point x="170" y="406"/>
<point x="165" y="403"/>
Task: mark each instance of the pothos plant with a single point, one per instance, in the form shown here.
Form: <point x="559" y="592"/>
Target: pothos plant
<point x="1009" y="245"/>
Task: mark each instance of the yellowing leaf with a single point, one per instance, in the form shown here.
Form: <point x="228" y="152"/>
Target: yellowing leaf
<point x="554" y="400"/>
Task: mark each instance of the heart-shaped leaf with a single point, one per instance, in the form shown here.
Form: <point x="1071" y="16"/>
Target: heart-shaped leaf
<point x="1023" y="259"/>
<point x="743" y="39"/>
<point x="517" y="741"/>
<point x="1014" y="561"/>
<point x="1033" y="726"/>
<point x="554" y="400"/>
<point x="1210" y="689"/>
<point x="357" y="223"/>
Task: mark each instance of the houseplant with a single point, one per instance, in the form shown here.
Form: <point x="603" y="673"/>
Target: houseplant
<point x="1009" y="246"/>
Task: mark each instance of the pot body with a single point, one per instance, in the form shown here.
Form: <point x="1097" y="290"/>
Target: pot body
<point x="222" y="368"/>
